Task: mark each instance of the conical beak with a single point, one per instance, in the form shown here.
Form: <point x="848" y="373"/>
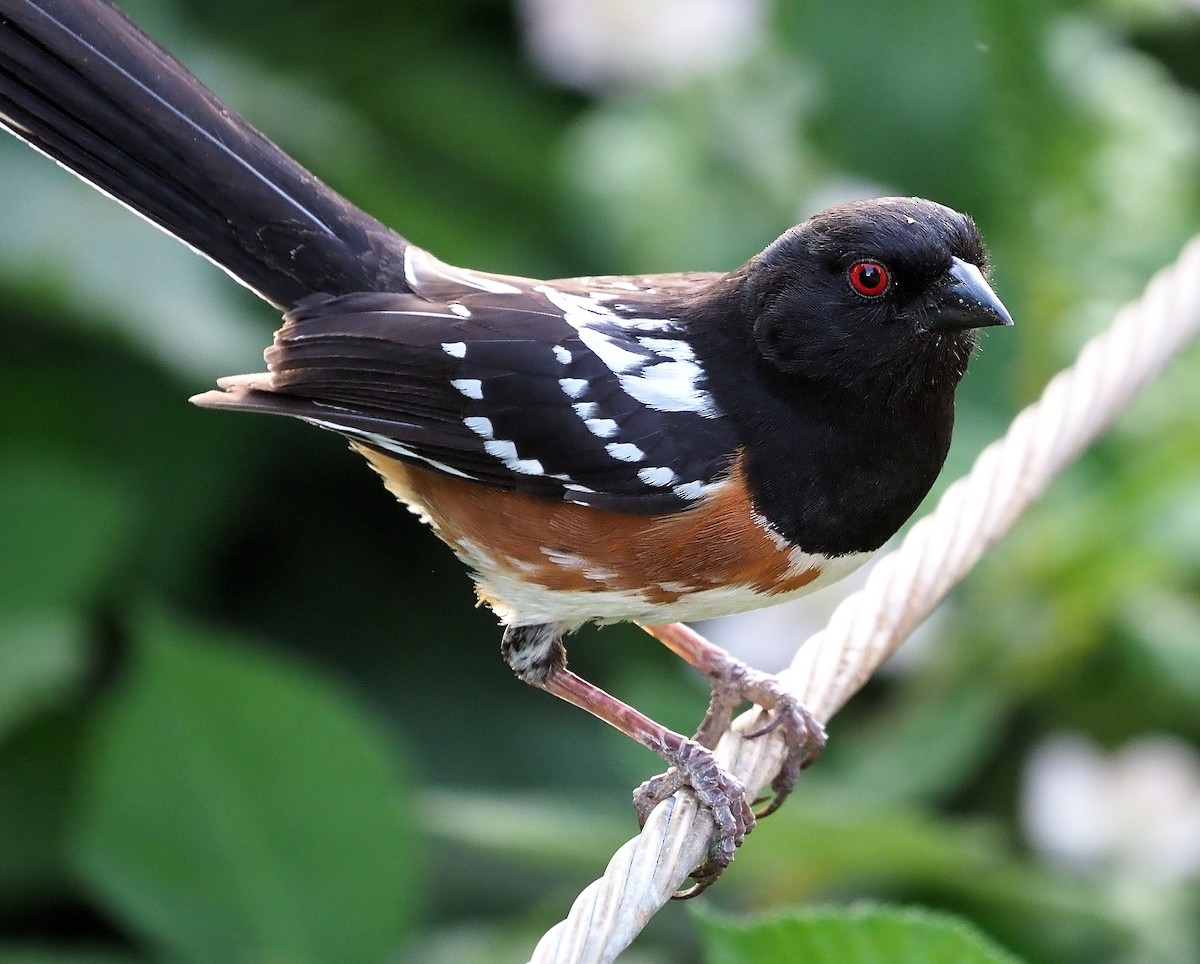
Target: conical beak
<point x="966" y="301"/>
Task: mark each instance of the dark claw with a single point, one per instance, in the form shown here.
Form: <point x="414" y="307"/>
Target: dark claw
<point x="804" y="736"/>
<point x="805" y="739"/>
<point x="716" y="790"/>
<point x="703" y="877"/>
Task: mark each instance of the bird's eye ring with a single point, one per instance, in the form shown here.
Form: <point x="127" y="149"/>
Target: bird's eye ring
<point x="869" y="278"/>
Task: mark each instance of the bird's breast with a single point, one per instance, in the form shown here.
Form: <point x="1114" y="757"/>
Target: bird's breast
<point x="538" y="560"/>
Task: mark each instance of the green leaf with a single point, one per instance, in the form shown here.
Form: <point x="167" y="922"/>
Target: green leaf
<point x="72" y="955"/>
<point x="925" y="747"/>
<point x="38" y="764"/>
<point x="235" y="809"/>
<point x="64" y="530"/>
<point x="858" y="935"/>
<point x="42" y="661"/>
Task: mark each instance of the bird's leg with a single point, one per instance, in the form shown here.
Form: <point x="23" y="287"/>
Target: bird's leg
<point x="537" y="656"/>
<point x="734" y="682"/>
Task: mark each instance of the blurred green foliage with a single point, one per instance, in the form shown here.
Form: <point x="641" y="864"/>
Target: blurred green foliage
<point x="860" y="935"/>
<point x="247" y="711"/>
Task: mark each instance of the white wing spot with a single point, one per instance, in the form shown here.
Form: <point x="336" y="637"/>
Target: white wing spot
<point x="618" y="359"/>
<point x="459" y="309"/>
<point x="601" y="427"/>
<point x="670" y="386"/>
<point x="585" y="409"/>
<point x="455" y="349"/>
<point x="639" y="324"/>
<point x="689" y="490"/>
<point x="664" y="376"/>
<point x="659" y="475"/>
<point x="576" y="493"/>
<point x="577" y="310"/>
<point x="562" y="354"/>
<point x="471" y="387"/>
<point x="625" y="451"/>
<point x="580" y="313"/>
<point x="506" y="452"/>
<point x="479" y="425"/>
<point x="574" y="387"/>
<point x="672" y="348"/>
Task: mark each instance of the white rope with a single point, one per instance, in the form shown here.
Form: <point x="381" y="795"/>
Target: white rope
<point x="903" y="588"/>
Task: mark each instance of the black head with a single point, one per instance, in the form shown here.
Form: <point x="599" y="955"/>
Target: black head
<point x="879" y="296"/>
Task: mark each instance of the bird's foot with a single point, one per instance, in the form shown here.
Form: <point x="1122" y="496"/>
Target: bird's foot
<point x="803" y="735"/>
<point x="717" y="791"/>
<point x="733" y="683"/>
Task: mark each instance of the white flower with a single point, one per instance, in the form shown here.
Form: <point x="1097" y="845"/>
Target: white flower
<point x="598" y="45"/>
<point x="1135" y="812"/>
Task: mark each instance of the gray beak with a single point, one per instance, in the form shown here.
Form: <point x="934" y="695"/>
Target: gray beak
<point x="966" y="301"/>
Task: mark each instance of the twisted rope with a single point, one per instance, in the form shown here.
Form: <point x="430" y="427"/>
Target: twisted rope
<point x="903" y="588"/>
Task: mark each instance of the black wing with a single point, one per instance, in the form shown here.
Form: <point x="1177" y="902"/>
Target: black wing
<point x="572" y="390"/>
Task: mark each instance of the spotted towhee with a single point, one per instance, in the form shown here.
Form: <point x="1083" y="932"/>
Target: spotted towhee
<point x="651" y="448"/>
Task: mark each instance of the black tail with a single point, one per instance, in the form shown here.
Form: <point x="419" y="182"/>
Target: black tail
<point x="83" y="84"/>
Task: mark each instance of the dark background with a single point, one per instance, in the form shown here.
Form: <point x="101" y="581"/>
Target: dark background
<point x="247" y="709"/>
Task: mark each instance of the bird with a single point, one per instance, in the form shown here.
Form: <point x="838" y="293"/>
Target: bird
<point x="654" y="448"/>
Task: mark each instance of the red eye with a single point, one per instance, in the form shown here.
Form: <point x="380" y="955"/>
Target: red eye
<point x="869" y="278"/>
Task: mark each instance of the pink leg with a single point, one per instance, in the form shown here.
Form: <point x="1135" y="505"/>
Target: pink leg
<point x="735" y="682"/>
<point x="686" y="642"/>
<point x="691" y="764"/>
<point x="535" y="653"/>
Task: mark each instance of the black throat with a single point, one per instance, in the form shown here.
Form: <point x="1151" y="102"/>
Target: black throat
<point x="834" y="469"/>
